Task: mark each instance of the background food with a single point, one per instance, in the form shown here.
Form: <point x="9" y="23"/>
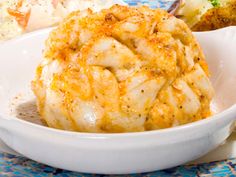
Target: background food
<point x="20" y="16"/>
<point x="122" y="70"/>
<point x="202" y="15"/>
<point x="218" y="17"/>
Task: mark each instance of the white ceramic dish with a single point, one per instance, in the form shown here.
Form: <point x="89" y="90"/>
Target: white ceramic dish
<point x="116" y="153"/>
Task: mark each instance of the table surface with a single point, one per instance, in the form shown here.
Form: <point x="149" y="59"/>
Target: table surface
<point x="11" y="165"/>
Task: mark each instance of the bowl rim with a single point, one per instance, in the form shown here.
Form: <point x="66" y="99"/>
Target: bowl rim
<point x="224" y="116"/>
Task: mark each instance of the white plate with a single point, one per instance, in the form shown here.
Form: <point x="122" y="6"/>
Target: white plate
<point x="114" y="153"/>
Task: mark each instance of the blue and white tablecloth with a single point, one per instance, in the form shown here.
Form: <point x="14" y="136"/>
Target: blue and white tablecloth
<point x="15" y="166"/>
<point x="164" y="4"/>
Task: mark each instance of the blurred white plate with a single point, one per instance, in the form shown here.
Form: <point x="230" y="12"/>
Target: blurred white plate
<point x="113" y="153"/>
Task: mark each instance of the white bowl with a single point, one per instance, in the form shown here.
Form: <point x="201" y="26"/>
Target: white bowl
<point x="115" y="153"/>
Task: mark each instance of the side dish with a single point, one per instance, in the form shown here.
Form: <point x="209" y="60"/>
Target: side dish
<point x="122" y="69"/>
<point x="204" y="15"/>
<point x="21" y="16"/>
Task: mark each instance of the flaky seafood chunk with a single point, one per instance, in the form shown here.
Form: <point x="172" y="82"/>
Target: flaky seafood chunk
<point x="122" y="69"/>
